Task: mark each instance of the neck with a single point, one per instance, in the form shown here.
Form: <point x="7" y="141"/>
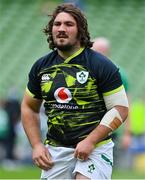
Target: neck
<point x="68" y="53"/>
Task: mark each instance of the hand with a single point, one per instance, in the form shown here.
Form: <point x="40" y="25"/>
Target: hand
<point x="83" y="150"/>
<point x="41" y="157"/>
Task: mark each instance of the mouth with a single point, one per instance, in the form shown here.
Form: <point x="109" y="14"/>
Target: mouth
<point x="62" y="36"/>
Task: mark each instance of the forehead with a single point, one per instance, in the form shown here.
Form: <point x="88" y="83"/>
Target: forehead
<point x="63" y="16"/>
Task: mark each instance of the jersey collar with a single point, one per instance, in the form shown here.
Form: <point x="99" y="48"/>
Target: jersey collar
<point x="74" y="55"/>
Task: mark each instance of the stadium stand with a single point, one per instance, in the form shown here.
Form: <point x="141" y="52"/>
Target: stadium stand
<point x="22" y="40"/>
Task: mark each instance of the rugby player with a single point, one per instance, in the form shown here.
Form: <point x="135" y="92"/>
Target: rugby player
<point x="84" y="99"/>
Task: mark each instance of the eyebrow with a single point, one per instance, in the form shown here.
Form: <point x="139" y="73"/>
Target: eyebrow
<point x="65" y="22"/>
<point x="68" y="21"/>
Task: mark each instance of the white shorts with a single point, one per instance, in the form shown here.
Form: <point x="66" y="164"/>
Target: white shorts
<point x="98" y="166"/>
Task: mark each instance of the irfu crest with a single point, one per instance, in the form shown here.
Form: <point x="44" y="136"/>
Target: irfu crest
<point x="82" y="76"/>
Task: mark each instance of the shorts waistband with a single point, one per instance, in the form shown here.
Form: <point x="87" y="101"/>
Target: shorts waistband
<point x="51" y="142"/>
<point x="103" y="142"/>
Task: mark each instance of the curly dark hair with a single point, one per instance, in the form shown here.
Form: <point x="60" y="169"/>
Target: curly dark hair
<point x="83" y="34"/>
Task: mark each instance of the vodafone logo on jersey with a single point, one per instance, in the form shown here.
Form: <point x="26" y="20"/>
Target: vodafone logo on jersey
<point x="62" y="95"/>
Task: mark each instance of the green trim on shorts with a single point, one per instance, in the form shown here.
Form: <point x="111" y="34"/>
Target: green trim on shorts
<point x="106" y="159"/>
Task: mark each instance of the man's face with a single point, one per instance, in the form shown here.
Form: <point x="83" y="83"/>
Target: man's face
<point x="65" y="31"/>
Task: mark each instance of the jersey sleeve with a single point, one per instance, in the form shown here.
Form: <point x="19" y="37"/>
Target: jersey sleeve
<point x="109" y="79"/>
<point x="33" y="86"/>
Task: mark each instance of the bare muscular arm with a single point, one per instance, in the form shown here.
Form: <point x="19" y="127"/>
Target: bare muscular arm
<point x="30" y="119"/>
<point x="86" y="146"/>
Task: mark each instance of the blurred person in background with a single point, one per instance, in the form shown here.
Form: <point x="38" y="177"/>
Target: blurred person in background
<point x="77" y="87"/>
<point x="4" y="130"/>
<point x="9" y="116"/>
<point x="137" y="129"/>
<point x="12" y="107"/>
<point x="122" y="137"/>
<point x="137" y="125"/>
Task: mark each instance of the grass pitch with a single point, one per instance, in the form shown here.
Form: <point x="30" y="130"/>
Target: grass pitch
<point x="31" y="172"/>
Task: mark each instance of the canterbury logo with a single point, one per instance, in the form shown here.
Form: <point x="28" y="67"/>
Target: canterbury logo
<point x="45" y="77"/>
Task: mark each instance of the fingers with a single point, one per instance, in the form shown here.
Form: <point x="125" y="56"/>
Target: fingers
<point x="81" y="153"/>
<point x="43" y="163"/>
<point x="83" y="149"/>
<point x="42" y="159"/>
<point x="47" y="156"/>
<point x="80" y="156"/>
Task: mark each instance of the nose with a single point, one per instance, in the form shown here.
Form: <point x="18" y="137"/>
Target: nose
<point x="62" y="27"/>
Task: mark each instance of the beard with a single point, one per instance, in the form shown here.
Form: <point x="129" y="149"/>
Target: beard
<point x="61" y="44"/>
<point x="65" y="47"/>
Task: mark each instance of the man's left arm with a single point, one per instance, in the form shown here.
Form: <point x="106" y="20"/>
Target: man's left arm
<point x="117" y="106"/>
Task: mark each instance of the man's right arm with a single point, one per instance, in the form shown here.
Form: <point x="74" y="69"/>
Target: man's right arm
<point x="30" y="119"/>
